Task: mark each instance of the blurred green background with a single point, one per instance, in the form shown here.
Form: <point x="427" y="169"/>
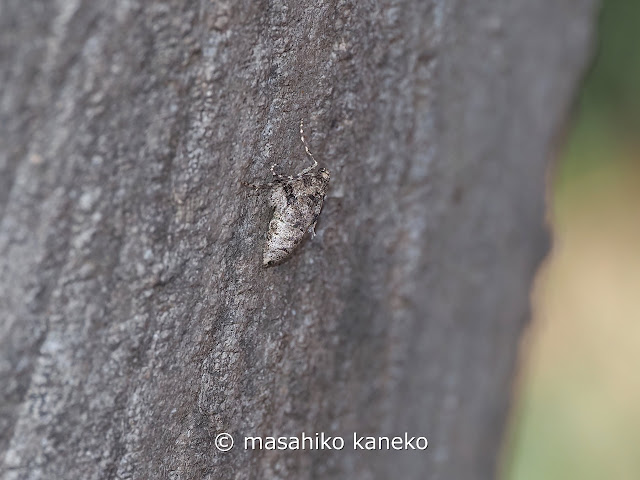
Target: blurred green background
<point x="577" y="406"/>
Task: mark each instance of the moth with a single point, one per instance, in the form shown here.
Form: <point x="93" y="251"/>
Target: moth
<point x="296" y="202"/>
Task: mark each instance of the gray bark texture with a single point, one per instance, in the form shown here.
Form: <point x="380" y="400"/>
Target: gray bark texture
<point x="137" y="322"/>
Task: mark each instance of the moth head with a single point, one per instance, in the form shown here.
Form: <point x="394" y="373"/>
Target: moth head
<point x="324" y="173"/>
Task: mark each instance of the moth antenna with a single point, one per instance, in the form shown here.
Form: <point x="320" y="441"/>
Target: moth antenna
<point x="275" y="174"/>
<point x="306" y="147"/>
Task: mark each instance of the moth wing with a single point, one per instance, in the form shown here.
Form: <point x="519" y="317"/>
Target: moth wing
<point x="277" y="195"/>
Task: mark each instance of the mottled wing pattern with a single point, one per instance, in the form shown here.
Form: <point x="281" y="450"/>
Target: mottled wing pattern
<point x="297" y="203"/>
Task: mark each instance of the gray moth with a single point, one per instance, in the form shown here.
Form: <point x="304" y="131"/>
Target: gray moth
<point x="296" y="202"/>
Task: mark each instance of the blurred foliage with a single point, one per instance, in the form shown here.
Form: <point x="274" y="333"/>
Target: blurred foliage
<point x="607" y="112"/>
<point x="577" y="409"/>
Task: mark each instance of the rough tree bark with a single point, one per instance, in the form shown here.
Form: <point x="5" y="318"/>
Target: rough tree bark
<point x="136" y="320"/>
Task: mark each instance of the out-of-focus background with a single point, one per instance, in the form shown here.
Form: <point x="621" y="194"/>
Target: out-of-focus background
<point x="577" y="408"/>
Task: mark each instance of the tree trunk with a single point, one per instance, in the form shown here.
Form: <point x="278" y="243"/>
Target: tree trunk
<point x="137" y="322"/>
